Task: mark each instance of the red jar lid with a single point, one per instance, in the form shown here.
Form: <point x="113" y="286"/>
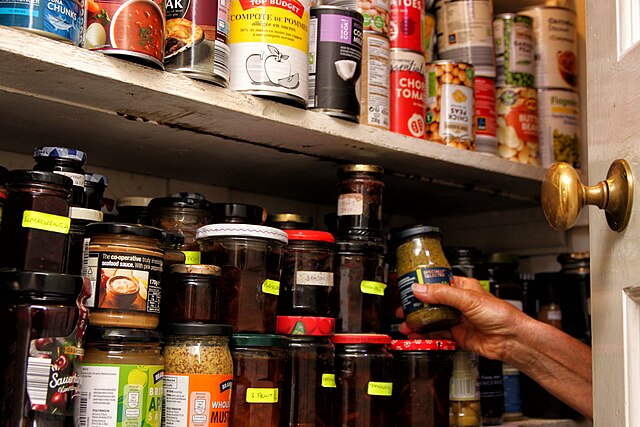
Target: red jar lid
<point x="422" y="345"/>
<point x="318" y="236"/>
<point x="304" y="325"/>
<point x="361" y="339"/>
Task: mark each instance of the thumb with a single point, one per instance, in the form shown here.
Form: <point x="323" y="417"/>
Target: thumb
<point x="463" y="300"/>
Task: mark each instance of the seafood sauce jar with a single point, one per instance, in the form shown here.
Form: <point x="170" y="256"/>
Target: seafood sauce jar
<point x="191" y="294"/>
<point x="250" y="257"/>
<point x="364" y="379"/>
<point x="258" y="380"/>
<point x="67" y="162"/>
<point x="360" y="201"/>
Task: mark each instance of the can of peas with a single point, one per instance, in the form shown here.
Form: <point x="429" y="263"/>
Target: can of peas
<point x="513" y="34"/>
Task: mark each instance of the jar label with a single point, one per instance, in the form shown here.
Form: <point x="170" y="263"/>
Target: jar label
<point x="423" y="275"/>
<point x="271" y="287"/>
<point x="192" y="257"/>
<point x="314" y="278"/>
<point x="350" y="204"/>
<point x="485" y="285"/>
<point x="373" y="288"/>
<point x="46" y="222"/>
<point x="329" y="380"/>
<point x="196" y="400"/>
<point x="379" y="388"/>
<point x="77" y="178"/>
<point x="262" y="395"/>
<point x="121" y="395"/>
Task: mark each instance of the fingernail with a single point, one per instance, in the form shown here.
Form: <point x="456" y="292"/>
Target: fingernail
<point x="419" y="288"/>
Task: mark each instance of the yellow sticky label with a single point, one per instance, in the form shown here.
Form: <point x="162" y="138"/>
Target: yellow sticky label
<point x="485" y="285"/>
<point x="262" y="395"/>
<point x="46" y="222"/>
<point x="191" y="257"/>
<point x="329" y="380"/>
<point x="373" y="288"/>
<point x="271" y="287"/>
<point x="379" y="389"/>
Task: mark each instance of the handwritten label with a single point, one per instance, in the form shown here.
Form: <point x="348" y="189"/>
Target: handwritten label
<point x="262" y="395"/>
<point x="350" y="204"/>
<point x="271" y="287"/>
<point x="191" y="257"/>
<point x="379" y="389"/>
<point x="329" y="380"/>
<point x="314" y="278"/>
<point x="373" y="288"/>
<point x="46" y="222"/>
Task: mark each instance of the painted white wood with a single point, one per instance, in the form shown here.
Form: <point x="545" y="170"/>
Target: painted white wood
<point x="631" y="320"/>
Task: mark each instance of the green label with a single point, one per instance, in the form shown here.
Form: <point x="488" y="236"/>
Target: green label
<point x="379" y="389"/>
<point x="485" y="285"/>
<point x="191" y="257"/>
<point x="329" y="380"/>
<point x="262" y="395"/>
<point x="433" y="84"/>
<point x="373" y="288"/>
<point x="271" y="287"/>
<point x="46" y="222"/>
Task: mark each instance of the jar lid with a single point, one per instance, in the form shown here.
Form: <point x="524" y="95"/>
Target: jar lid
<point x="196" y="328"/>
<point x="366" y="246"/>
<point x="241" y="230"/>
<point x="133" y="202"/>
<point x="313" y="235"/>
<point x="178" y="202"/>
<point x="33" y="282"/>
<point x="417" y="230"/>
<point x="502" y="258"/>
<point x="60" y="153"/>
<point x="305" y="325"/>
<point x="121" y="335"/>
<point x="85" y="214"/>
<point x="361" y="339"/>
<point x="171" y="237"/>
<point x="188" y="195"/>
<point x="422" y="345"/>
<point x="346" y="169"/>
<point x="123" y="228"/>
<point x="96" y="178"/>
<point x="238" y="213"/>
<point x="20" y="176"/>
<point x="204" y="269"/>
<point x="258" y="340"/>
<point x="291" y="221"/>
<point x="573" y="257"/>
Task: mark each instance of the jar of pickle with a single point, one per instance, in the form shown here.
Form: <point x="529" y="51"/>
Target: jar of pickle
<point x="364" y="379"/>
<point x="133" y="210"/>
<point x="238" y="213"/>
<point x="191" y="294"/>
<point x="258" y="380"/>
<point x="360" y="201"/>
<point x="67" y="162"/>
<point x="290" y="221"/>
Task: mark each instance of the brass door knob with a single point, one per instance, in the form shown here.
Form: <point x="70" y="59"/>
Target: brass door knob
<point x="564" y="196"/>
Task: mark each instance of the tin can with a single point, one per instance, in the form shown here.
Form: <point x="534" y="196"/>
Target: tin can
<point x="374" y="84"/>
<point x="407" y="95"/>
<point x="450" y="112"/>
<point x="517" y="125"/>
<point x="375" y="13"/>
<point x="222" y="49"/>
<point x="556" y="47"/>
<point x="485" y="94"/>
<point x="269" y="45"/>
<point x="131" y="29"/>
<point x="335" y="61"/>
<point x="430" y="40"/>
<point x="190" y="34"/>
<point x="465" y="31"/>
<point x="559" y="126"/>
<point x="513" y="34"/>
<point x="57" y="19"/>
<point x="406" y="25"/>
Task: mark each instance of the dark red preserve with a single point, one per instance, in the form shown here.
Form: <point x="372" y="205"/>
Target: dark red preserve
<point x="360" y="201"/>
<point x="67" y="162"/>
<point x="191" y="294"/>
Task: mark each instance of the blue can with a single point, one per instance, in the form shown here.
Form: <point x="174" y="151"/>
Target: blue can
<point x="57" y="19"/>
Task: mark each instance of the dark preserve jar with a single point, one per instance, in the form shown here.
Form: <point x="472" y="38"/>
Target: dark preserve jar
<point x="307" y="274"/>
<point x="504" y="279"/>
<point x="421" y="373"/>
<point x="191" y="294"/>
<point x="3" y="190"/>
<point x="258" y="380"/>
<point x="35" y="222"/>
<point x="80" y="218"/>
<point x="94" y="188"/>
<point x="364" y="379"/>
<point x="67" y="162"/>
<point x="574" y="295"/>
<point x="42" y="333"/>
<point x="360" y="200"/>
<point x="356" y="298"/>
<point x="134" y="210"/>
<point x="290" y="221"/>
<point x="238" y="213"/>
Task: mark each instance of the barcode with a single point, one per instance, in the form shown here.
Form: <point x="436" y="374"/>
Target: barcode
<point x="84" y="401"/>
<point x="312" y="91"/>
<point x="38" y="369"/>
<point x="85" y="255"/>
<point x="221" y="60"/>
<point x="463" y="388"/>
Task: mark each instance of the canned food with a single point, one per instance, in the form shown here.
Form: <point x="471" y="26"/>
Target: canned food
<point x="513" y="35"/>
<point x="517" y="120"/>
<point x="485" y="94"/>
<point x="405" y="27"/>
<point x="430" y="40"/>
<point x="56" y="19"/>
<point x="450" y="112"/>
<point x="559" y="126"/>
<point x="269" y="45"/>
<point x="374" y="84"/>
<point x="222" y="49"/>
<point x="555" y="45"/>
<point x="407" y="95"/>
<point x="375" y="13"/>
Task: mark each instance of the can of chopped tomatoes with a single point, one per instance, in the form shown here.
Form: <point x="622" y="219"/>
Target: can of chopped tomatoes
<point x="407" y="94"/>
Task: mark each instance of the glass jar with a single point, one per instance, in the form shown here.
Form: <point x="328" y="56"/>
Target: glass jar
<point x="80" y="218"/>
<point x="124" y="264"/>
<point x="575" y="295"/>
<point x="290" y="221"/>
<point x="250" y="257"/>
<point x="258" y="380"/>
<point x="67" y="162"/>
<point x="3" y="190"/>
<point x="504" y="279"/>
<point x="133" y="210"/>
<point x="198" y="374"/>
<point x="307" y="274"/>
<point x="465" y="391"/>
<point x="512" y="395"/>
<point x="469" y="262"/>
<point x="238" y="213"/>
<point x="191" y="294"/>
<point x="360" y="201"/>
<point x="420" y="259"/>
<point x="364" y="379"/>
<point x="122" y="378"/>
<point x="356" y="298"/>
<point x="35" y="222"/>
<point x="171" y="243"/>
<point x="94" y="188"/>
<point x="42" y="336"/>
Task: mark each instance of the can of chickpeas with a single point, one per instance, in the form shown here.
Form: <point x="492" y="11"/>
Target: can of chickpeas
<point x="559" y="126"/>
<point x="407" y="95"/>
<point x="513" y="34"/>
<point x="375" y="13"/>
<point x="450" y="112"/>
<point x="517" y="121"/>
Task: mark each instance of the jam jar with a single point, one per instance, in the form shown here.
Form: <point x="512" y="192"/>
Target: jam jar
<point x="357" y="296"/>
<point x="258" y="380"/>
<point x="364" y="379"/>
<point x="250" y="257"/>
<point x="35" y="222"/>
<point x="133" y="210"/>
<point x="360" y="201"/>
<point x="191" y="294"/>
<point x="575" y="295"/>
<point x="238" y="213"/>
<point x="307" y="273"/>
<point x="43" y="323"/>
<point x="67" y="162"/>
<point x="290" y="221"/>
<point x="421" y="372"/>
<point x="420" y="259"/>
<point x="94" y="187"/>
<point x="80" y="218"/>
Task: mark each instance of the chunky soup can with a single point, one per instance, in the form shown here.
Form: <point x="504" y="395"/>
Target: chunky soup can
<point x="374" y="84"/>
<point x="407" y="96"/>
<point x="56" y="19"/>
<point x="406" y="25"/>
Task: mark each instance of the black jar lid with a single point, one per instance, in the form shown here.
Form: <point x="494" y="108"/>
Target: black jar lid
<point x="121" y="335"/>
<point x="196" y="329"/>
<point x="19" y="176"/>
<point x="39" y="283"/>
<point x="179" y="202"/>
<point x="238" y="213"/>
<point x="258" y="340"/>
<point x="417" y="230"/>
<point x="172" y="238"/>
<point x="360" y="168"/>
<point x="96" y="178"/>
<point x="123" y="228"/>
<point x="503" y="258"/>
<point x="60" y="153"/>
<point x="364" y="246"/>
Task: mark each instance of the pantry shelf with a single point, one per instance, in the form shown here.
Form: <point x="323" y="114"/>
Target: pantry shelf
<point x="142" y="120"/>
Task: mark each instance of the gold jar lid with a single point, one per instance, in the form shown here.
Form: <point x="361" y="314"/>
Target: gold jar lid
<point x="360" y="168"/>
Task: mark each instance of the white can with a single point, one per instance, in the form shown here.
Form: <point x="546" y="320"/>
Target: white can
<point x="374" y="81"/>
<point x="559" y="126"/>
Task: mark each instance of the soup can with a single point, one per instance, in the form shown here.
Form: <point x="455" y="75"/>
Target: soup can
<point x="190" y="38"/>
<point x="517" y="125"/>
<point x="406" y="25"/>
<point x="269" y="45"/>
<point x="222" y="49"/>
<point x="374" y="84"/>
<point x="56" y="19"/>
<point x="515" y="62"/>
<point x="407" y="95"/>
<point x="335" y="61"/>
<point x="375" y="13"/>
<point x="559" y="126"/>
<point x="555" y="45"/>
<point x="450" y="112"/>
<point x="485" y="94"/>
<point x="430" y="40"/>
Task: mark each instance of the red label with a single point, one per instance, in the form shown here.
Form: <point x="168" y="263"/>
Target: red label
<point x="485" y="92"/>
<point x="406" y="25"/>
<point x="293" y="6"/>
<point x="407" y="94"/>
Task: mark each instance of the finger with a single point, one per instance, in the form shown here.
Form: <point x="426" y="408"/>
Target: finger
<point x="400" y="313"/>
<point x="467" y="283"/>
<point x="461" y="299"/>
